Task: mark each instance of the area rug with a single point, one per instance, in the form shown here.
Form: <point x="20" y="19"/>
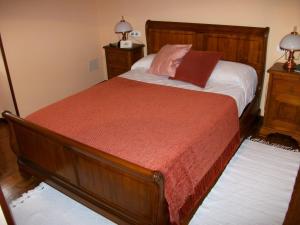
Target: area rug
<point x="255" y="188"/>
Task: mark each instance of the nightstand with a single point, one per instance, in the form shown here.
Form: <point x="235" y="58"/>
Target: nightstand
<point x="120" y="60"/>
<point x="282" y="110"/>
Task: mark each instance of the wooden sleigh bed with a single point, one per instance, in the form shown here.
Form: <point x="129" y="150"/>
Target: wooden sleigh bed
<point x="91" y="176"/>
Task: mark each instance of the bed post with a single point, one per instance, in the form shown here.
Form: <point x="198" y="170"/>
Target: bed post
<point x="14" y="145"/>
<point x="90" y="176"/>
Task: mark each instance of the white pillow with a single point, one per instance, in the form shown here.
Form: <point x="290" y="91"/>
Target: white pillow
<point x="144" y="62"/>
<point x="236" y="73"/>
<point x="224" y="72"/>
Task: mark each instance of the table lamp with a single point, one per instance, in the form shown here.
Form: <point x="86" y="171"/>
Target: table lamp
<point x="124" y="28"/>
<point x="290" y="43"/>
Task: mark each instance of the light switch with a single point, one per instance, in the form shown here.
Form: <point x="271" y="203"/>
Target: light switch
<point x="94" y="64"/>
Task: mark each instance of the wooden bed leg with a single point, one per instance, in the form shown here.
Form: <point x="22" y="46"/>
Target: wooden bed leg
<point x="23" y="172"/>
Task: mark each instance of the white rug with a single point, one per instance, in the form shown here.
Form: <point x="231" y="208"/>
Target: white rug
<point x="255" y="188"/>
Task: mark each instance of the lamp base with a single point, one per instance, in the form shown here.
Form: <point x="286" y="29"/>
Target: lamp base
<point x="290" y="64"/>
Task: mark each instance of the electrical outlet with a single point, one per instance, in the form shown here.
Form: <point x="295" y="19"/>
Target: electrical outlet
<point x="135" y="33"/>
<point x="94" y="64"/>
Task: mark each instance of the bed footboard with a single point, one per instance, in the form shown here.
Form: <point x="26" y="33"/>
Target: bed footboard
<point x="117" y="189"/>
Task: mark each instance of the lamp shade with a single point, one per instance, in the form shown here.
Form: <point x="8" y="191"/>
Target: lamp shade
<point x="123" y="27"/>
<point x="290" y="42"/>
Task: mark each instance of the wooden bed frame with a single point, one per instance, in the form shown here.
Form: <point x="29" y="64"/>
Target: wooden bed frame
<point x="118" y="189"/>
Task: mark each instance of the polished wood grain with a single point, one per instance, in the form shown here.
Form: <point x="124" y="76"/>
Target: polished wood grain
<point x="16" y="184"/>
<point x="120" y="60"/>
<point x="118" y="189"/>
<point x="114" y="187"/>
<point x="12" y="182"/>
<point x="237" y="43"/>
<point x="282" y="110"/>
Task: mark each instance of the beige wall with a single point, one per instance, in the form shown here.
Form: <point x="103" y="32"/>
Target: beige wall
<point x="49" y="44"/>
<point x="279" y="15"/>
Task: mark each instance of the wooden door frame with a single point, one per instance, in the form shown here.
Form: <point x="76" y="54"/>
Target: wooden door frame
<point x="8" y="77"/>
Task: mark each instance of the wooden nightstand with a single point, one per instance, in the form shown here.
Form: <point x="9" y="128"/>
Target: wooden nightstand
<point x="282" y="110"/>
<point x="119" y="60"/>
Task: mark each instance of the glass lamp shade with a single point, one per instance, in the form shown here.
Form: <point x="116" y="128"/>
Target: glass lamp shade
<point x="290" y="42"/>
<point x="123" y="27"/>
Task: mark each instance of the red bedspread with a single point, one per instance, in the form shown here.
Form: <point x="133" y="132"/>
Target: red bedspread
<point x="187" y="135"/>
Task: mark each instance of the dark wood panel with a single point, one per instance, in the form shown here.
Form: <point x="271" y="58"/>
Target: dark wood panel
<point x="15" y="185"/>
<point x="120" y="60"/>
<point x="163" y="37"/>
<point x="99" y="179"/>
<point x="124" y="190"/>
<point x="238" y="43"/>
<point x="282" y="110"/>
<point x="46" y="153"/>
<point x="113" y="71"/>
<point x="11" y="181"/>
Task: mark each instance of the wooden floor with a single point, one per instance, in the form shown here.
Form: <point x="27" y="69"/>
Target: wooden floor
<point x="11" y="181"/>
<point x="13" y="184"/>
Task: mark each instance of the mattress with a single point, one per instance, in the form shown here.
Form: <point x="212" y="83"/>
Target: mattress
<point x="242" y="94"/>
<point x="156" y="127"/>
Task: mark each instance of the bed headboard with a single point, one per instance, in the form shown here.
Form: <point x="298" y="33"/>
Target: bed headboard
<point x="247" y="45"/>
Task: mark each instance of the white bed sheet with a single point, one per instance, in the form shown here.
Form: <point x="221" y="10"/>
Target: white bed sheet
<point x="241" y="95"/>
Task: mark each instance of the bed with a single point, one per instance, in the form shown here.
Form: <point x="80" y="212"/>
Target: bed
<point x="121" y="190"/>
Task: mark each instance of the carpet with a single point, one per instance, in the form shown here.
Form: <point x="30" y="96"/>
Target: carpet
<point x="255" y="188"/>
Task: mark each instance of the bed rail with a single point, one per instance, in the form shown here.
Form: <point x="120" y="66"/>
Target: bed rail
<point x="123" y="192"/>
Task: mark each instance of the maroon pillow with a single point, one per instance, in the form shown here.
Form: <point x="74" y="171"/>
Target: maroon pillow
<point x="196" y="67"/>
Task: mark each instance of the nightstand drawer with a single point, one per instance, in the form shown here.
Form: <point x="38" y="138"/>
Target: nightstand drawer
<point x="285" y="110"/>
<point x="115" y="71"/>
<point x="282" y="110"/>
<point x="286" y="86"/>
<point x="120" y="60"/>
<point x="117" y="58"/>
